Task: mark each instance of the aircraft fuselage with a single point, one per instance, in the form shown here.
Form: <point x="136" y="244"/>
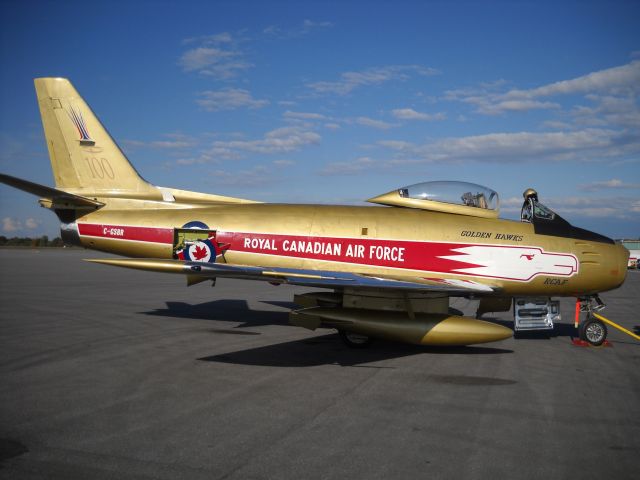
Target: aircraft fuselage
<point x="394" y="242"/>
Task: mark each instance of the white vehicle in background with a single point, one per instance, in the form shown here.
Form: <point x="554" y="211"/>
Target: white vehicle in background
<point x="634" y="252"/>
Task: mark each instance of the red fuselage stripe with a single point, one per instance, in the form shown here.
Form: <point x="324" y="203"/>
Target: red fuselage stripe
<point x="126" y="232"/>
<point x="381" y="253"/>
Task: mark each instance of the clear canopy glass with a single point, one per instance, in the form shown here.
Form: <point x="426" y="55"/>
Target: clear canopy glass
<point x="456" y="193"/>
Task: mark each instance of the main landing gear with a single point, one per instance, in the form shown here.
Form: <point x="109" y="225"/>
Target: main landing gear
<point x="354" y="340"/>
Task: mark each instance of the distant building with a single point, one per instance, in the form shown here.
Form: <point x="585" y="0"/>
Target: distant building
<point x="634" y="251"/>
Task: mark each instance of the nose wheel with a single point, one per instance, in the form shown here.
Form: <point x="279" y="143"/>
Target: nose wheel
<point x="593" y="331"/>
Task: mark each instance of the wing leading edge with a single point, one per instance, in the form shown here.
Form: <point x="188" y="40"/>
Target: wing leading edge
<point x="201" y="271"/>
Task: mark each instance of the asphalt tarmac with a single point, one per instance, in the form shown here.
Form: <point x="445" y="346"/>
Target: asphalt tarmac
<point x="113" y="373"/>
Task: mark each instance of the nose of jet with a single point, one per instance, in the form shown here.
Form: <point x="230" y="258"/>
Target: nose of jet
<point x="621" y="256"/>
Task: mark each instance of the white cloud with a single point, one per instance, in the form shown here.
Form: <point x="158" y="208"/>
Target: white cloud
<point x="599" y="207"/>
<point x="585" y="145"/>
<point x="256" y="176"/>
<point x="614" y="183"/>
<point x="129" y="144"/>
<point x="309" y="24"/>
<point x="215" y="39"/>
<point x="307" y="27"/>
<point x="31" y="223"/>
<point x="284" y="163"/>
<point x="516" y="106"/>
<point x="623" y="78"/>
<point x="411" y="114"/>
<point x="171" y="144"/>
<point x="272" y="30"/>
<point x="175" y="141"/>
<point x="11" y="224"/>
<point x="228" y="99"/>
<point x="556" y="125"/>
<point x="281" y="140"/>
<point x="216" y="55"/>
<point x="490" y="99"/>
<point x="201" y="57"/>
<point x="332" y="126"/>
<point x="609" y="110"/>
<point x="354" y="167"/>
<point x="373" y="76"/>
<point x="304" y="115"/>
<point x="489" y="102"/>
<point x="370" y="122"/>
<point x="213" y="155"/>
<point x="398" y="145"/>
<point x="194" y="161"/>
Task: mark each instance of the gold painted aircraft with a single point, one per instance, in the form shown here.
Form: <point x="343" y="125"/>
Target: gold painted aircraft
<point x="389" y="270"/>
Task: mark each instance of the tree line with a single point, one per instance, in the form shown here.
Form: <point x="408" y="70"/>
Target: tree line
<point x="42" y="241"/>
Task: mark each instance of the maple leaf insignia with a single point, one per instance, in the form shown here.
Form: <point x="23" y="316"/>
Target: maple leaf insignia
<point x="200" y="252"/>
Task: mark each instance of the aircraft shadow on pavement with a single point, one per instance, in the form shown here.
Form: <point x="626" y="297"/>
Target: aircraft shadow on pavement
<point x="225" y="310"/>
<point x="329" y="350"/>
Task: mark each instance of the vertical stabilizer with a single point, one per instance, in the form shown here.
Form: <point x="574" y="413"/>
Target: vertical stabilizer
<point x="84" y="157"/>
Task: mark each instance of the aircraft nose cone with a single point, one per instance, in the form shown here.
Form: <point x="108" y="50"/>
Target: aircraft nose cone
<point x="622" y="262"/>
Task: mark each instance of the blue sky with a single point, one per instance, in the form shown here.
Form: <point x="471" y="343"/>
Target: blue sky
<point x="336" y="102"/>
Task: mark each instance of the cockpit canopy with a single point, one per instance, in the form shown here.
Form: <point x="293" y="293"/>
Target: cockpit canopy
<point x="456" y="193"/>
<point x="462" y="198"/>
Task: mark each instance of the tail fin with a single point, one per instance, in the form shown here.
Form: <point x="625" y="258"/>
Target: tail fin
<point x="84" y="157"/>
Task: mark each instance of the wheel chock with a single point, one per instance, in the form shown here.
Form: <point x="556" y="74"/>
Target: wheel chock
<point x="583" y="343"/>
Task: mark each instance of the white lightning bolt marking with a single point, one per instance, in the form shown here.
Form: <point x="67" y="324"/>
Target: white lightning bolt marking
<point x="513" y="263"/>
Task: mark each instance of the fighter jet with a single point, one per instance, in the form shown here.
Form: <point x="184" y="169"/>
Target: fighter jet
<point x="386" y="271"/>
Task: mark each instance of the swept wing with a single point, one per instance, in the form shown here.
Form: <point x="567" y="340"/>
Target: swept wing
<point x="200" y="271"/>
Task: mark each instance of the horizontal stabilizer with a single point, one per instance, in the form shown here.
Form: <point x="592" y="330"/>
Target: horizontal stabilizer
<point x="58" y="198"/>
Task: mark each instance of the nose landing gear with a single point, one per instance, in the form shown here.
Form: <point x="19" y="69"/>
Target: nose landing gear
<point x="594" y="329"/>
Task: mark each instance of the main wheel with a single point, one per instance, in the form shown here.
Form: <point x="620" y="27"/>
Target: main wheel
<point x="355" y="340"/>
<point x="593" y="331"/>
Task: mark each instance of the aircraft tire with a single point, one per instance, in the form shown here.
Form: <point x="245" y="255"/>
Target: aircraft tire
<point x="593" y="331"/>
<point x="355" y="340"/>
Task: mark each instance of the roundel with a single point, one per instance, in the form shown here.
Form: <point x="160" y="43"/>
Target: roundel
<point x="200" y="251"/>
<point x="196" y="224"/>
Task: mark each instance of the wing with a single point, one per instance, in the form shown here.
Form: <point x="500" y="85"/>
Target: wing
<point x="200" y="271"/>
